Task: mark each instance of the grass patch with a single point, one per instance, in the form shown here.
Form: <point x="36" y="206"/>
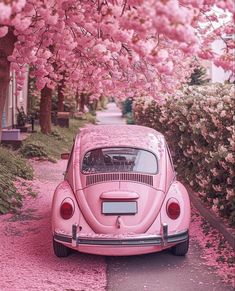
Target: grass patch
<point x="12" y="165"/>
<point x="50" y="146"/>
<point x="15" y="165"/>
<point x="91" y="118"/>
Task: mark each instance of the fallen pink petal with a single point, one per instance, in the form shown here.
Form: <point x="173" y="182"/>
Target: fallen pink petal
<point x="27" y="259"/>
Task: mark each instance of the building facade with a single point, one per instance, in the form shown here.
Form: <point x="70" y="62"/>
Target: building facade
<point x="14" y="101"/>
<point x="217" y="74"/>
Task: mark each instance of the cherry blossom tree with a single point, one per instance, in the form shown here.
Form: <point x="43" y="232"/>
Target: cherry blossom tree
<point x="118" y="47"/>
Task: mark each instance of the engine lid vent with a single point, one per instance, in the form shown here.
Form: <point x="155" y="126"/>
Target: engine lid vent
<point x="98" y="178"/>
<point x="107" y="177"/>
<point x="144" y="179"/>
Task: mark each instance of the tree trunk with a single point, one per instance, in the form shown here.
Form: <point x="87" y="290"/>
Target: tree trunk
<point x="61" y="96"/>
<point x="45" y="110"/>
<point x="82" y="102"/>
<point x="6" y="49"/>
<point x="77" y="100"/>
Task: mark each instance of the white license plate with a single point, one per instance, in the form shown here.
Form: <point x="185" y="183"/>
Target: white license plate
<point x="117" y="208"/>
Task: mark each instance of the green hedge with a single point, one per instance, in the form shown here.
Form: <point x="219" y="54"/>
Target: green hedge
<point x="198" y="123"/>
<point x="12" y="166"/>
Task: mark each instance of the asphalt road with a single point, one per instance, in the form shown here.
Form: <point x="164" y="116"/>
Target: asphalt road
<point x="163" y="272"/>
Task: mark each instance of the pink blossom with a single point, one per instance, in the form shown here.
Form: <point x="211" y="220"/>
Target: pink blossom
<point x="40" y="83"/>
<point x="217" y="188"/>
<point x="162" y="55"/>
<point x="18" y="5"/>
<point x="52" y="19"/>
<point x="145" y="46"/>
<point x="216" y="201"/>
<point x="3" y="31"/>
<point x="5" y="12"/>
<point x="99" y="48"/>
<point x="214" y="208"/>
<point x="230" y="158"/>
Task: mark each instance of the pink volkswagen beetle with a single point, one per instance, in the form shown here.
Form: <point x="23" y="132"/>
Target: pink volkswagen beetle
<point x="120" y="195"/>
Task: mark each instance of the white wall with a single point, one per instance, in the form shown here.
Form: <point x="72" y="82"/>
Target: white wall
<point x="217" y="73"/>
<point x="13" y="101"/>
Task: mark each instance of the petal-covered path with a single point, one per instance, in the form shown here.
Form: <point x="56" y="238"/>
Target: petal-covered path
<point x="27" y="258"/>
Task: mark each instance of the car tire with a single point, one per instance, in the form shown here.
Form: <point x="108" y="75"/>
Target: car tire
<point x="60" y="250"/>
<point x="181" y="249"/>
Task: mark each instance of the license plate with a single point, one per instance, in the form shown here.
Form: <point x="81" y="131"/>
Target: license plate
<point x="117" y="208"/>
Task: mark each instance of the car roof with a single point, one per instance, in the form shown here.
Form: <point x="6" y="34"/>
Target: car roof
<point x="101" y="136"/>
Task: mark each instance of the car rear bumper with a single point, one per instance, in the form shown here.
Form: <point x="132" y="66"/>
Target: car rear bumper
<point x="129" y="241"/>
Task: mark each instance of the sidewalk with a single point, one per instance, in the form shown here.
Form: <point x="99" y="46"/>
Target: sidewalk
<point x="215" y="221"/>
<point x="113" y="116"/>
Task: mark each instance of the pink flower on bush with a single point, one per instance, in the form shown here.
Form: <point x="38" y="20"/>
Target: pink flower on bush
<point x="3" y="30"/>
<point x="214" y="171"/>
<point x="216" y="201"/>
<point x="230" y="193"/>
<point x="217" y="188"/>
<point x="202" y="193"/>
<point x="5" y="11"/>
<point x="230" y="158"/>
<point x="223" y="113"/>
<point x="215" y="208"/>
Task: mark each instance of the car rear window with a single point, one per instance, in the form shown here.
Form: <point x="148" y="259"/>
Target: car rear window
<point x="117" y="159"/>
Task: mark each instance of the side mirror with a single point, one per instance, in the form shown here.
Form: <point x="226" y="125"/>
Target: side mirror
<point x="65" y="156"/>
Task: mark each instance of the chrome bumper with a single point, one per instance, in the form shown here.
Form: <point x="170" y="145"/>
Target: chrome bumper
<point x="143" y="240"/>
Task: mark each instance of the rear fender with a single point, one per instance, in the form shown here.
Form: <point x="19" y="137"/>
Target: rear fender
<point x="60" y="225"/>
<point x="177" y="191"/>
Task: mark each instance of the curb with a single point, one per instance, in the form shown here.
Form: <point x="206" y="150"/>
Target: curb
<point x="216" y="222"/>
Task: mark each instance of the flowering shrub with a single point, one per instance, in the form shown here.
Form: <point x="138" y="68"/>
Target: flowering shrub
<point x="199" y="127"/>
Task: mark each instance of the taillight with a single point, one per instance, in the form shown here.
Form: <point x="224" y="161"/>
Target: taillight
<point x="173" y="209"/>
<point x="66" y="210"/>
